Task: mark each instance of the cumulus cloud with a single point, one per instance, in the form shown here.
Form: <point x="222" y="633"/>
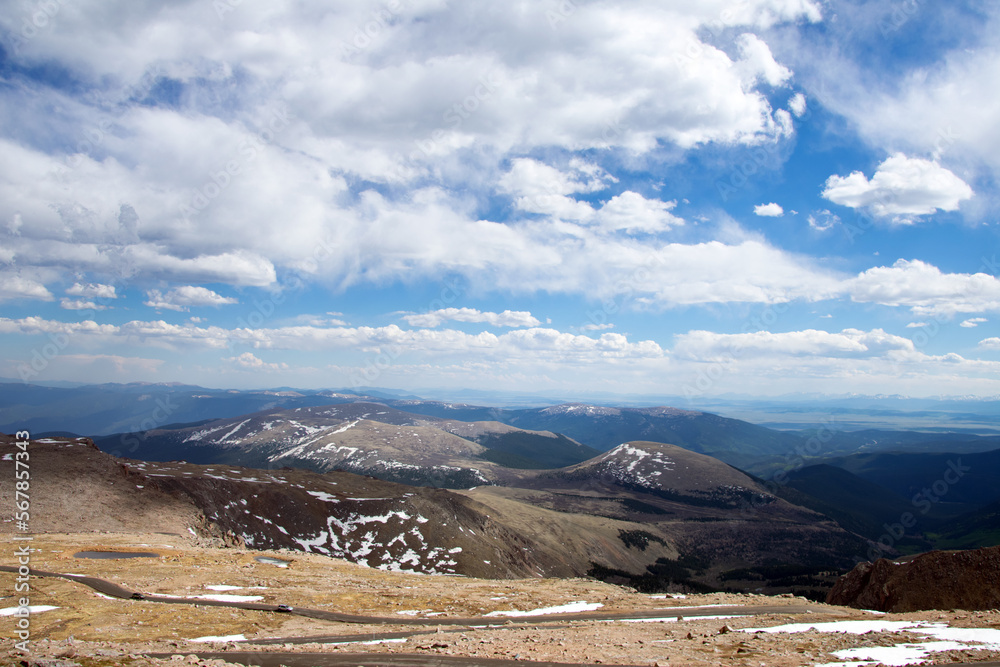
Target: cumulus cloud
<point x="508" y="318"/>
<point x="707" y="345"/>
<point x="80" y="304"/>
<point x="947" y="106"/>
<point x="990" y="343"/>
<point x="13" y="286"/>
<point x="248" y="361"/>
<point x="973" y="322"/>
<point x="873" y="361"/>
<point x="520" y="343"/>
<point x="902" y="187"/>
<point x="797" y="104"/>
<point x="265" y="131"/>
<point x="93" y="291"/>
<point x="181" y="298"/>
<point x="631" y="212"/>
<point x="758" y="62"/>
<point x="924" y="289"/>
<point x="771" y="210"/>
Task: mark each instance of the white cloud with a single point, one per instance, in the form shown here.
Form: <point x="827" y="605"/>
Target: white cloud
<point x="990" y="343"/>
<point x="519" y="343"/>
<point x="181" y="298"/>
<point x="925" y="289"/>
<point x="247" y="361"/>
<point x="93" y="291"/>
<point x="823" y="220"/>
<point x="902" y="187"/>
<point x="88" y="368"/>
<point x="597" y="327"/>
<point x="631" y="212"/>
<point x="622" y="80"/>
<point x="946" y="107"/>
<point x="80" y="304"/>
<point x="758" y="62"/>
<point x="771" y="210"/>
<point x="849" y="343"/>
<point x="13" y="286"/>
<point x="854" y="360"/>
<point x="797" y="104"/>
<point x="973" y="322"/>
<point x="507" y="318"/>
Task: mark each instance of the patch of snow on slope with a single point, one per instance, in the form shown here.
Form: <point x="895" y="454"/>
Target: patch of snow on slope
<point x="201" y="435"/>
<point x="908" y="653"/>
<point x="569" y="608"/>
<point x="237" y="428"/>
<point x="324" y="496"/>
<point x="32" y="609"/>
<point x="346" y="426"/>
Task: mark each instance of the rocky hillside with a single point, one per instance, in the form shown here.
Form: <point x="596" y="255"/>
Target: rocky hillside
<point x="934" y="580"/>
<point x="695" y="521"/>
<point x="375" y="523"/>
<point x="687" y="520"/>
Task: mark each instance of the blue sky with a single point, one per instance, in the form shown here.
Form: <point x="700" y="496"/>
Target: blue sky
<point x="757" y="197"/>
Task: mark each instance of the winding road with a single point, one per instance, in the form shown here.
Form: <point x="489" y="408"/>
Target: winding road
<point x="114" y="590"/>
<point x="289" y="659"/>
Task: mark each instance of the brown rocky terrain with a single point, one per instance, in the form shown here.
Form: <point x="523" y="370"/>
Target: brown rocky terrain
<point x="88" y="629"/>
<point x="934" y="580"/>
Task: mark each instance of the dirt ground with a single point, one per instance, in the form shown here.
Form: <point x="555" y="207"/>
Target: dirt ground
<point x="89" y="629"/>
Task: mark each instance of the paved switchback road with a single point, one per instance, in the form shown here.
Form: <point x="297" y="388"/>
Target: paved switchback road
<point x="114" y="590"/>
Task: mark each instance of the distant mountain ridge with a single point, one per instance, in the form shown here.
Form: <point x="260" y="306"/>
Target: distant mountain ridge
<point x="364" y="438"/>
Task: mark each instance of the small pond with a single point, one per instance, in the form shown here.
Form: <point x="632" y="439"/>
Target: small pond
<point x="109" y="555"/>
<point x="272" y="561"/>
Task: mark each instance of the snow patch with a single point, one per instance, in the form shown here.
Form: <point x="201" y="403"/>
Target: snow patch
<point x="223" y="638"/>
<point x="569" y="608"/>
<point x="32" y="609"/>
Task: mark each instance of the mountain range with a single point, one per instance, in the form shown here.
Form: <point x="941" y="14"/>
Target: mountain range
<point x="656" y="497"/>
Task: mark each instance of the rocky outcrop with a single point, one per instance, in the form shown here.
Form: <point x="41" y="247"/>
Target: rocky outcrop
<point x="935" y="580"/>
